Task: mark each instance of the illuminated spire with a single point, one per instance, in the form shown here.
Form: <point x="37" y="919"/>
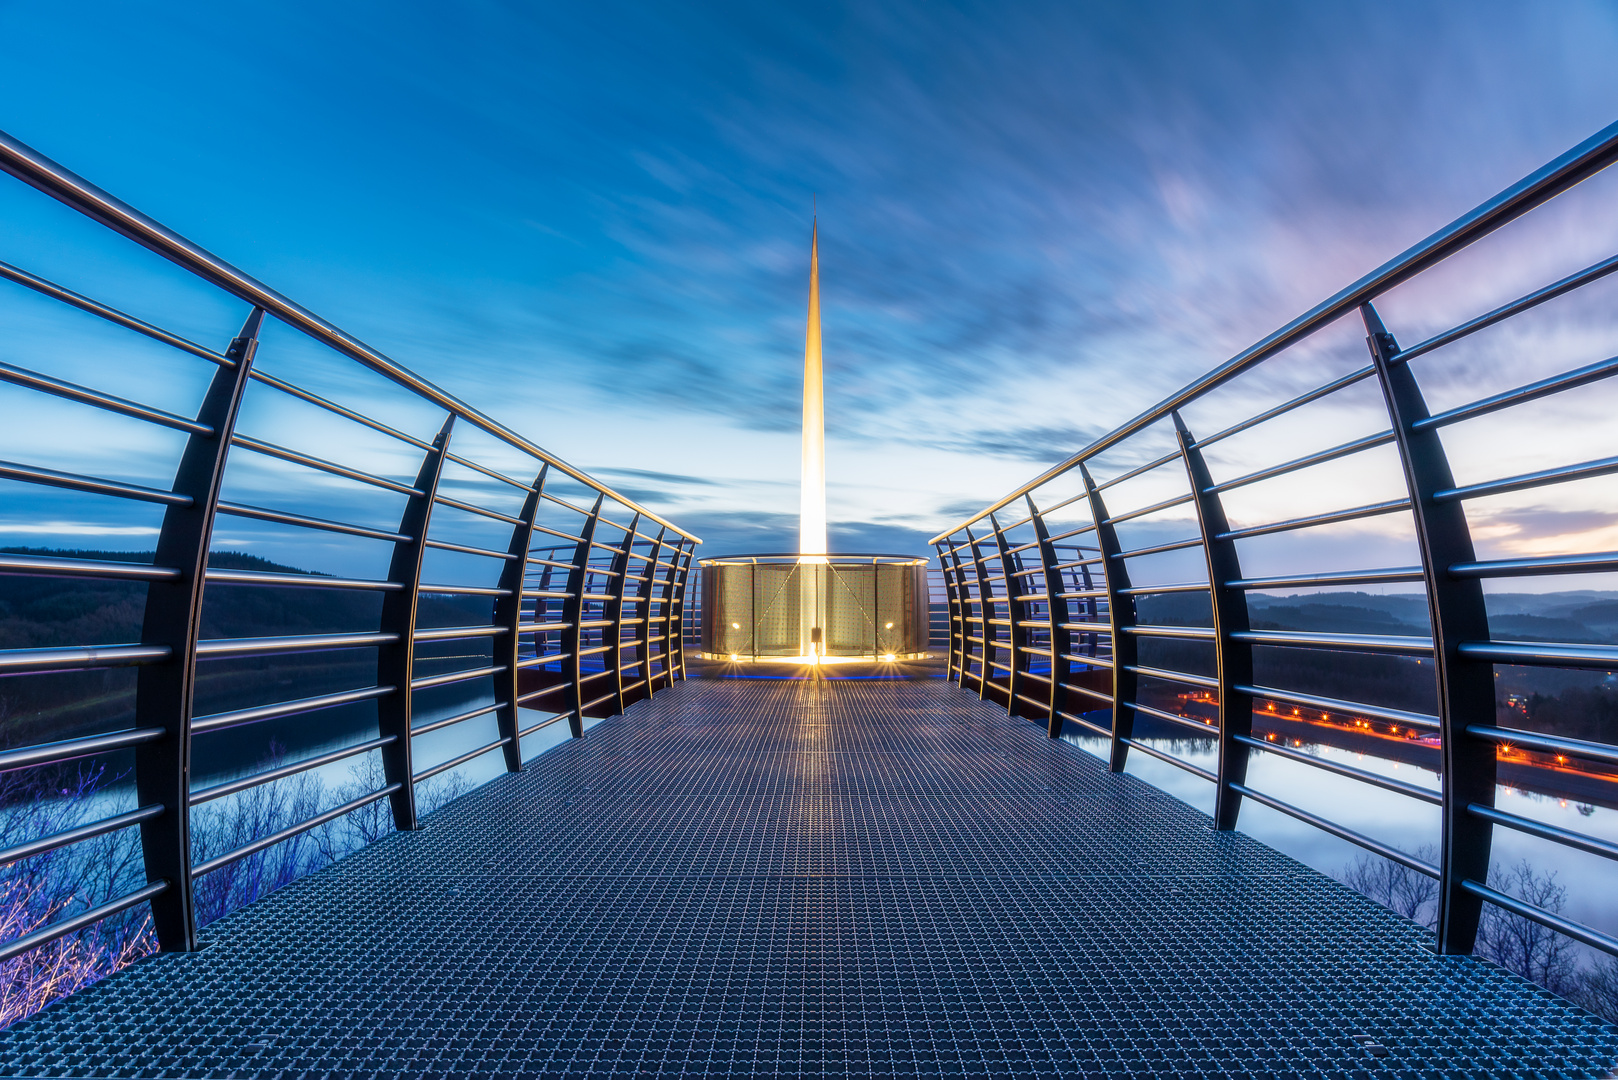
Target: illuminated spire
<point x="812" y="489"/>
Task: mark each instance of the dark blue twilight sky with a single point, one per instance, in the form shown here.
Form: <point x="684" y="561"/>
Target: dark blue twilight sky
<point x="1036" y="218"/>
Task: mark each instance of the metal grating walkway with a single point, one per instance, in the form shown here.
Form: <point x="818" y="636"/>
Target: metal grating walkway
<point x="791" y="878"/>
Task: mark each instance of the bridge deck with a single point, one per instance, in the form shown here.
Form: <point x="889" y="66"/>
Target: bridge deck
<point x="784" y="877"/>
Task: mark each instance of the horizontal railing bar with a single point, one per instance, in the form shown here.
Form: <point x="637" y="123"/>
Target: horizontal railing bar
<point x="1543" y="653"/>
<point x="1097" y="728"/>
<point x="547" y="722"/>
<point x="1370" y="510"/>
<point x="1425" y="721"/>
<point x="1577" y="931"/>
<point x="547" y="594"/>
<point x="609" y="695"/>
<point x="84" y="832"/>
<point x="112" y="315"/>
<point x="1162" y="755"/>
<point x="1197" y="633"/>
<point x="284" y="518"/>
<point x="33" y="380"/>
<point x="1584" y="470"/>
<point x="1174" y="676"/>
<point x="23" y="661"/>
<point x="1318" y="458"/>
<point x="217" y="721"/>
<point x="1556" y="176"/>
<point x="219" y="791"/>
<point x="1364" y="776"/>
<point x="68" y="749"/>
<point x="1549" y="744"/>
<point x="1595" y="563"/>
<point x="1088" y="692"/>
<point x="1166" y="504"/>
<point x="288" y="833"/>
<point x="1059" y="537"/>
<point x="544" y="627"/>
<point x="541" y="692"/>
<point x="259" y="446"/>
<point x="491" y="473"/>
<point x="35" y="474"/>
<point x="52" y="566"/>
<point x="220" y="576"/>
<point x="1139" y="470"/>
<point x="1089" y="661"/>
<point x="1334" y="577"/>
<point x="1595" y="846"/>
<point x="17" y="946"/>
<point x="466" y="590"/>
<point x="1506" y="311"/>
<point x="447" y="678"/>
<point x="445" y="545"/>
<point x="547" y="658"/>
<point x="1376" y="643"/>
<point x="469" y="508"/>
<point x="453" y="633"/>
<point x="1157" y="549"/>
<point x="1376" y="847"/>
<point x="1206" y="730"/>
<point x="331" y="406"/>
<point x="1151" y="590"/>
<point x="218" y="648"/>
<point x="1078" y="562"/>
<point x="1285" y="407"/>
<point x="552" y="562"/>
<point x="1508" y="398"/>
<point x="449" y="721"/>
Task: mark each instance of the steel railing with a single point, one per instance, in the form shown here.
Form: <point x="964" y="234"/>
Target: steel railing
<point x="1044" y="603"/>
<point x="583" y="588"/>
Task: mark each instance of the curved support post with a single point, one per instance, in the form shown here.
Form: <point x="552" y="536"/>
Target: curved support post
<point x="985" y="613"/>
<point x="646" y="592"/>
<point x="1234" y="658"/>
<point x="1056" y="613"/>
<point x="1458" y="612"/>
<point x="508" y="614"/>
<point x="676" y="631"/>
<point x="164" y="692"/>
<point x="952" y="600"/>
<point x="668" y="618"/>
<point x="573" y="615"/>
<point x="396" y="663"/>
<point x="1016" y="614"/>
<point x="1120" y="612"/>
<point x="617" y="589"/>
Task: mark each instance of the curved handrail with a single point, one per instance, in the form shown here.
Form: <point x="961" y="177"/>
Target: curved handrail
<point x="67" y="187"/>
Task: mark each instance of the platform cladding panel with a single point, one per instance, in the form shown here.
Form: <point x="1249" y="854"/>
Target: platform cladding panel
<point x="865" y="605"/>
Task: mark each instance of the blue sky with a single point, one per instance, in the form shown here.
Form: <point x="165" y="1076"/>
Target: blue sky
<point x="593" y="220"/>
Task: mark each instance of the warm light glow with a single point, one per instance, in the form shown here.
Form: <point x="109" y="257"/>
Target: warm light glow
<point x="889" y="657"/>
<point x="887" y="626"/>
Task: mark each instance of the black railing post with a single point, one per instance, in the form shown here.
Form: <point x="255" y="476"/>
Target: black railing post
<point x="1016" y="615"/>
<point x="396" y="663"/>
<point x="953" y="603"/>
<point x="617" y="589"/>
<point x="508" y="614"/>
<point x="1056" y="614"/>
<point x="572" y="616"/>
<point x="668" y="619"/>
<point x="1233" y="658"/>
<point x="1458" y="612"/>
<point x="165" y="693"/>
<point x="1120" y="613"/>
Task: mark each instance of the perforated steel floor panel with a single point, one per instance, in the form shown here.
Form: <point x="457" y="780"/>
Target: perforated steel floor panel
<point x="743" y="878"/>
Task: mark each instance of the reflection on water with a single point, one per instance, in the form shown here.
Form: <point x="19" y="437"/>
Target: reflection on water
<point x="1383" y="815"/>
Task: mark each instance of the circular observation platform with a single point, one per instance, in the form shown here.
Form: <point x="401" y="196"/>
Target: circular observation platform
<point x="814" y="609"/>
